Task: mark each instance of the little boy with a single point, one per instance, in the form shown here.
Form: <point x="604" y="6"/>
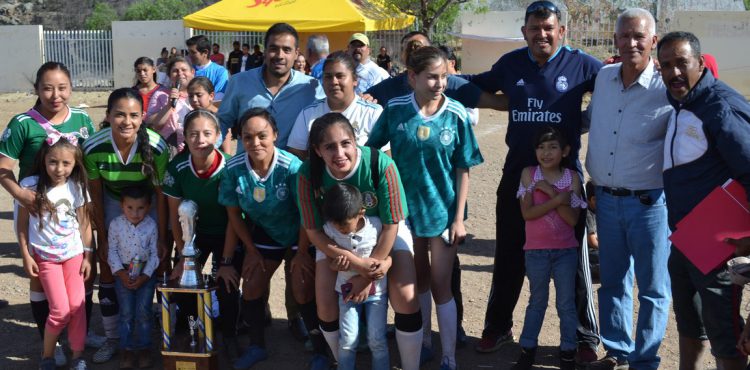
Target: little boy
<point x="347" y="225"/>
<point x="133" y="258"/>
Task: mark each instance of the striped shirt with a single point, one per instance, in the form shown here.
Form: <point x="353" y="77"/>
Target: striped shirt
<point x="103" y="161"/>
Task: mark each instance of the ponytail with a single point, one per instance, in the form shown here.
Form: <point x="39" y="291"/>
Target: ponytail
<point x="148" y="168"/>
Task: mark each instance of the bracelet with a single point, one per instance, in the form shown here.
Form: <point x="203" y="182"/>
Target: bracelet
<point x="88" y="249"/>
<point x="226" y="261"/>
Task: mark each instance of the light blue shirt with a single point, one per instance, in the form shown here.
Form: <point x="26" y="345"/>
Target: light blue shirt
<point x="628" y="127"/>
<point x="247" y="90"/>
<point x="217" y="74"/>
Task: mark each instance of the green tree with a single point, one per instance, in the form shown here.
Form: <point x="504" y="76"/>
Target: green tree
<point x="148" y="10"/>
<point x="101" y="18"/>
<point x="436" y="17"/>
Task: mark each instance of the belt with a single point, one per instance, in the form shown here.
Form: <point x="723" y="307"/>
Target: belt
<point x="622" y="192"/>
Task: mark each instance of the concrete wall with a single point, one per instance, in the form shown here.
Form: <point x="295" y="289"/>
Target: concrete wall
<point x="134" y="39"/>
<point x="725" y="35"/>
<point x="25" y="43"/>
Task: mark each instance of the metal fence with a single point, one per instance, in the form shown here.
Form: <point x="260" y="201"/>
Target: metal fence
<point x="87" y="54"/>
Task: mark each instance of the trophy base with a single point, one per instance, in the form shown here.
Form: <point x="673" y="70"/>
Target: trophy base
<point x="190" y="361"/>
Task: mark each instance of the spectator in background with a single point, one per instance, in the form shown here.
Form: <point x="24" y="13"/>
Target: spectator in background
<point x="256" y="58"/>
<point x="172" y="52"/>
<point x="235" y="58"/>
<point x="245" y="58"/>
<point x="161" y="62"/>
<point x="384" y="60"/>
<point x="216" y="56"/>
<point x="317" y="51"/>
<point x="300" y="64"/>
<point x="368" y="73"/>
<point x="198" y="49"/>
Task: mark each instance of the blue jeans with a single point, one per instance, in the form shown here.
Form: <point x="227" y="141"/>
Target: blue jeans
<point x="633" y="244"/>
<point x="376" y="309"/>
<point x="560" y="265"/>
<point x="136" y="318"/>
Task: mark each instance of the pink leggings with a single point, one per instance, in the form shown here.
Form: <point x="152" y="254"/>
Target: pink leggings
<point x="63" y="284"/>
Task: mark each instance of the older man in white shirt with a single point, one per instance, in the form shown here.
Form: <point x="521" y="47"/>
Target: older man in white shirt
<point x="368" y="72"/>
<point x="629" y="114"/>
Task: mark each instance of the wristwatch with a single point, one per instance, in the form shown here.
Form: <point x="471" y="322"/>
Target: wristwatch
<point x="226" y="261"/>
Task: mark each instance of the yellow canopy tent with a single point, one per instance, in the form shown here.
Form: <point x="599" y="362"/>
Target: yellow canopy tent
<point x="307" y="16"/>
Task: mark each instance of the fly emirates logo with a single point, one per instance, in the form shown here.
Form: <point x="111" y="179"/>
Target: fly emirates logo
<point x="534" y="113"/>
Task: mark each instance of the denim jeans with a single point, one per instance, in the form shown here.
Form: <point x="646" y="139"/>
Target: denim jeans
<point x="376" y="309"/>
<point x="633" y="245"/>
<point x="136" y="318"/>
<point x="560" y="265"/>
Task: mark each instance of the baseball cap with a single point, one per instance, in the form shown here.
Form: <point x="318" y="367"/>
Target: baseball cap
<point x="361" y="37"/>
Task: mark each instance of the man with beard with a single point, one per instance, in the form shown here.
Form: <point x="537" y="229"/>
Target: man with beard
<point x="368" y="72"/>
<point x="275" y="86"/>
<point x="545" y="83"/>
<point x="707" y="143"/>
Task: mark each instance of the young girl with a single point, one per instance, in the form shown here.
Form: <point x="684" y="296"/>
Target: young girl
<point x="145" y="74"/>
<point x="167" y="112"/>
<point x="55" y="245"/>
<point x="550" y="198"/>
<point x="201" y="94"/>
<point x="124" y="153"/>
<point x="433" y="146"/>
<point x="21" y="141"/>
<point x="133" y="259"/>
<point x="339" y="82"/>
<point x="335" y="157"/>
<point x="347" y="225"/>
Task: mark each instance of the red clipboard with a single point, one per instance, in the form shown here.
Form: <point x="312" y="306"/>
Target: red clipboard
<point x="722" y="214"/>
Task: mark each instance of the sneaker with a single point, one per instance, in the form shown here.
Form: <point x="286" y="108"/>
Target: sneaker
<point x="144" y="359"/>
<point x="78" y="364"/>
<point x="585" y="355"/>
<point x="106" y="352"/>
<point x="60" y="358"/>
<point x="445" y="365"/>
<point x="252" y="356"/>
<point x="94" y="341"/>
<point x="461" y="337"/>
<point x="567" y="360"/>
<point x="320" y="362"/>
<point x="425" y="356"/>
<point x="491" y="343"/>
<point x="608" y="363"/>
<point x="297" y="328"/>
<point x="47" y="364"/>
<point x="525" y="359"/>
<point x="127" y="359"/>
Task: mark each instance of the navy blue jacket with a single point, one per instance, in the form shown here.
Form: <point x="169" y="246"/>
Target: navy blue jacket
<point x="707" y="143"/>
<point x="457" y="89"/>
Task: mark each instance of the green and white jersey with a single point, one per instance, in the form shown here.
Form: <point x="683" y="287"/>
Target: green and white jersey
<point x="23" y="137"/>
<point x="427" y="151"/>
<point x="103" y="161"/>
<point x="269" y="202"/>
<point x="386" y="200"/>
<point x="182" y="182"/>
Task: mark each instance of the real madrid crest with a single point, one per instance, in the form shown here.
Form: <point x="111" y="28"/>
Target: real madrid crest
<point x="259" y="194"/>
<point x="369" y="200"/>
<point x="561" y="84"/>
<point x="446" y="136"/>
<point x="423" y="132"/>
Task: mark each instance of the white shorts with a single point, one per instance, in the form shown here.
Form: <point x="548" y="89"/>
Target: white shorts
<point x="402" y="243"/>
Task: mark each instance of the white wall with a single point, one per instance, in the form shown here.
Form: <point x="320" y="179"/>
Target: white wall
<point x="134" y="39"/>
<point x="725" y="35"/>
<point x="17" y="73"/>
<point x="486" y="37"/>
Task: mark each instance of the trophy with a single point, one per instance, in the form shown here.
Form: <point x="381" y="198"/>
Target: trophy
<point x="191" y="277"/>
<point x="193" y="324"/>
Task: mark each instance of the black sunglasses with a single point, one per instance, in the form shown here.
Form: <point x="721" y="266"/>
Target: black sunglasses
<point x="542" y="5"/>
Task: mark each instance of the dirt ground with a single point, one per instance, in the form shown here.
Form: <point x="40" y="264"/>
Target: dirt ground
<point x="20" y="343"/>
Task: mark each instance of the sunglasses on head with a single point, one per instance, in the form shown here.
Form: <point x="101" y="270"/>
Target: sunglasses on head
<point x="542" y="5"/>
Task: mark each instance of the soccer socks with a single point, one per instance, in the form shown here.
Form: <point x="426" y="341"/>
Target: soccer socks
<point x="446" y="315"/>
<point x="254" y="315"/>
<point x="310" y="317"/>
<point x="425" y="304"/>
<point x="39" y="310"/>
<point x="110" y="310"/>
<point x="409" y="339"/>
<point x="331" y="334"/>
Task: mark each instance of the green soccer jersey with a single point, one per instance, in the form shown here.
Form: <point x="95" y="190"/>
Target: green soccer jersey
<point x="269" y="202"/>
<point x="182" y="182"/>
<point x="385" y="201"/>
<point x="427" y="151"/>
<point x="23" y="137"/>
<point x="103" y="161"/>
